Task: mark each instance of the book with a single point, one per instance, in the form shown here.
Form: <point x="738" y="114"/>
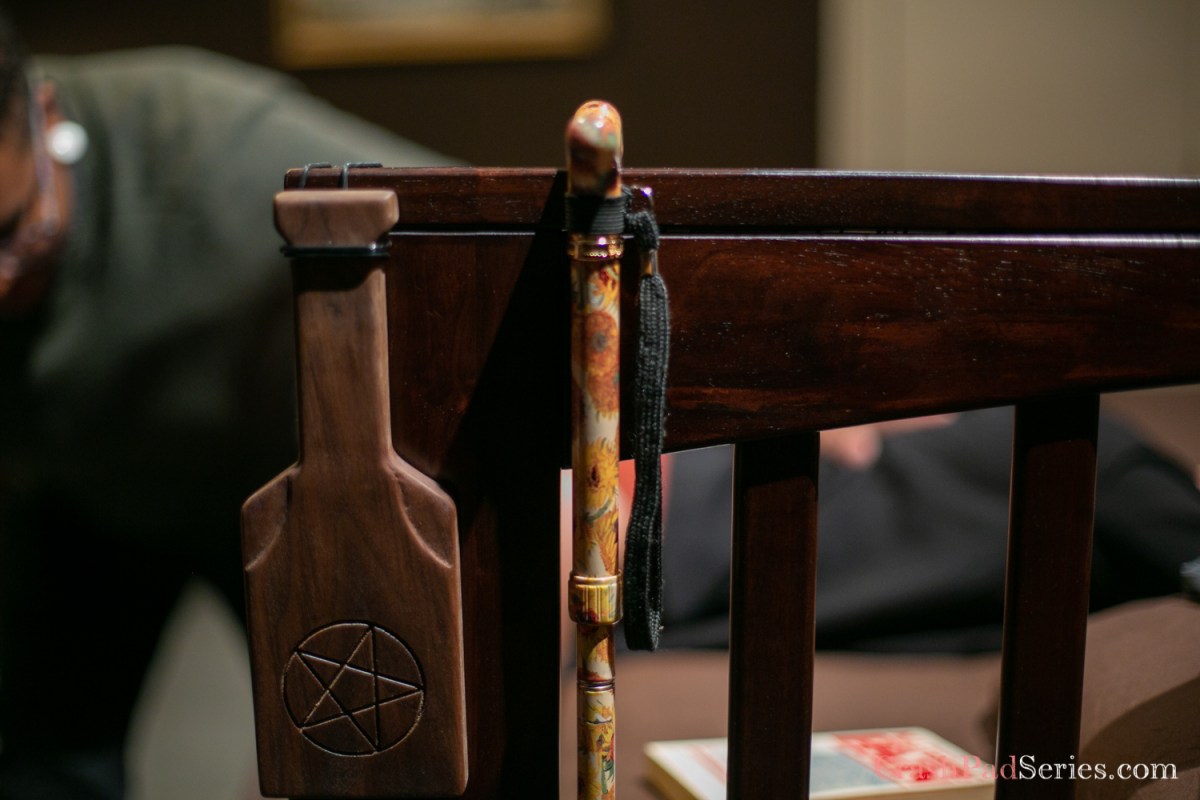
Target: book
<point x="913" y="763"/>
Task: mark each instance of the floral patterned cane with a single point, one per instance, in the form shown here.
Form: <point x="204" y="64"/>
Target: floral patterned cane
<point x="595" y="219"/>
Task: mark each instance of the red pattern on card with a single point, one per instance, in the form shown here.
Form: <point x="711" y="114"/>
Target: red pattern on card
<point x="903" y="756"/>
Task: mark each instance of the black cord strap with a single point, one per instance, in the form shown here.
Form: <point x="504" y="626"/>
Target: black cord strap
<point x="596" y="216"/>
<point x="643" y="581"/>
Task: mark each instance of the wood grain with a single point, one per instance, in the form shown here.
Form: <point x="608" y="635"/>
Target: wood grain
<point x="1046" y="597"/>
<point x="772" y="625"/>
<point x="335" y="218"/>
<point x="774" y="334"/>
<point x="799" y="301"/>
<point x="769" y="201"/>
<point x="352" y="570"/>
<point x="480" y="397"/>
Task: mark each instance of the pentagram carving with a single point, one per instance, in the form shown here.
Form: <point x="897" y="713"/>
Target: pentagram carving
<point x="354" y="689"/>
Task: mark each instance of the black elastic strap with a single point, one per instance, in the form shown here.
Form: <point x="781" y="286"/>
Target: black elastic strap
<point x="643" y="581"/>
<point x="596" y="216"/>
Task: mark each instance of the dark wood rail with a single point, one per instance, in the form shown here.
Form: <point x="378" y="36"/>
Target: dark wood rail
<point x="775" y="334"/>
<point x="795" y="200"/>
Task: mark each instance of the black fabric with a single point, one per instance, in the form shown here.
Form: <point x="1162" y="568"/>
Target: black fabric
<point x="911" y="550"/>
<point x="643" y="579"/>
<point x="72" y="775"/>
<point x="641" y="223"/>
<point x="595" y="216"/>
<point x="81" y="608"/>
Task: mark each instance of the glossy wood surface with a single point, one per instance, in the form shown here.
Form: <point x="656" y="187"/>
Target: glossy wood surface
<point x="998" y="316"/>
<point x="953" y="292"/>
<point x="774" y="335"/>
<point x="335" y="218"/>
<point x="771" y="335"/>
<point x="353" y="583"/>
<point x="772" y="632"/>
<point x="352" y="576"/>
<point x="479" y="357"/>
<point x="1046" y="591"/>
<point x="799" y="200"/>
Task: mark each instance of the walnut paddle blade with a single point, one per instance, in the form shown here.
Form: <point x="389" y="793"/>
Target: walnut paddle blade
<point x="351" y="556"/>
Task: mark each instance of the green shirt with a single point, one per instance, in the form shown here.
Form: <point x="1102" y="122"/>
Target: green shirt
<point x="153" y="392"/>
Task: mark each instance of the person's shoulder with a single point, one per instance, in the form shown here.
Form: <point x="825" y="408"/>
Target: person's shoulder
<point x="169" y="69"/>
<point x="190" y="108"/>
<point x="173" y="101"/>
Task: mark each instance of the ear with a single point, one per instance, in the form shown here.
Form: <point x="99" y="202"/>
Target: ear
<point x="66" y="141"/>
<point x="46" y="96"/>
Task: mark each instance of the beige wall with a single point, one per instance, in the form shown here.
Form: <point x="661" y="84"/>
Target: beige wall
<point x="1021" y="86"/>
<point x="1011" y="85"/>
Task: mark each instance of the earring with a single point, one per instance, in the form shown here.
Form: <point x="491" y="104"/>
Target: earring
<point x="66" y="142"/>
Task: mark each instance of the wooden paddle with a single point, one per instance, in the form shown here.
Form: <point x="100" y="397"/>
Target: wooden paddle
<point x="351" y="555"/>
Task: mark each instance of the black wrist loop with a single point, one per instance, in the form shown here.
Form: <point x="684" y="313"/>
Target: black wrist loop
<point x="643" y="579"/>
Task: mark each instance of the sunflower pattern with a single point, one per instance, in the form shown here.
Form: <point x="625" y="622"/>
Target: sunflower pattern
<point x="597" y="751"/>
<point x="604" y="288"/>
<point x="602" y="340"/>
<point x="600" y="479"/>
<point x="595" y="328"/>
<point x="595" y="399"/>
<point x="594" y="654"/>
<point x="595" y="371"/>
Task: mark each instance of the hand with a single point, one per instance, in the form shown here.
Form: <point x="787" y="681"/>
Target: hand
<point x="859" y="447"/>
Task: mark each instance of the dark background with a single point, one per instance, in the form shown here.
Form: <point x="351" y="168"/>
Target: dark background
<point x="716" y="84"/>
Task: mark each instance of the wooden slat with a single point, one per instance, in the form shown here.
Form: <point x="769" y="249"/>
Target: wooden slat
<point x="1046" y="598"/>
<point x="771" y="616"/>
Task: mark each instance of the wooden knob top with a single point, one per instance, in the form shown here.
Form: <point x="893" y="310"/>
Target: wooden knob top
<point x="594" y="149"/>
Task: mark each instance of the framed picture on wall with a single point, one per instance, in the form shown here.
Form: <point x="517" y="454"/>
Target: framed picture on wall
<point x="331" y="33"/>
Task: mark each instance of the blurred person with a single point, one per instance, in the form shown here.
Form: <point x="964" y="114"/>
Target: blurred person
<point x="913" y="533"/>
<point x="146" y="369"/>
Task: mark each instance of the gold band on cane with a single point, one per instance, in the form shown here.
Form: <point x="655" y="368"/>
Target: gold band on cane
<point x="595" y="248"/>
<point x="594" y="600"/>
